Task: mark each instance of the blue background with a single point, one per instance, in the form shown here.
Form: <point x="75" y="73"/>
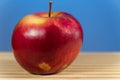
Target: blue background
<point x="100" y="20"/>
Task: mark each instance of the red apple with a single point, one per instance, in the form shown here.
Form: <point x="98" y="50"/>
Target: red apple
<point x="47" y="45"/>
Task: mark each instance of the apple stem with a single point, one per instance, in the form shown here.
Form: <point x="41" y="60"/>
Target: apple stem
<point x="50" y="8"/>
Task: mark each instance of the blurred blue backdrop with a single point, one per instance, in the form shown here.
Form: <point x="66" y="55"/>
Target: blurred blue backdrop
<point x="100" y="20"/>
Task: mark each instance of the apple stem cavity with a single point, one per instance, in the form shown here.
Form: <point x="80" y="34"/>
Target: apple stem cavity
<point x="50" y="8"/>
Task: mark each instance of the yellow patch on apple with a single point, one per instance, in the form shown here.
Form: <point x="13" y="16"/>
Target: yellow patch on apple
<point x="44" y="66"/>
<point x="54" y="14"/>
<point x="32" y="19"/>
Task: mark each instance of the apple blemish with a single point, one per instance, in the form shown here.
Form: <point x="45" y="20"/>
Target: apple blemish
<point x="65" y="66"/>
<point x="44" y="66"/>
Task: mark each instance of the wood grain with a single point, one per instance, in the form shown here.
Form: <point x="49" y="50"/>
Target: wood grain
<point x="87" y="66"/>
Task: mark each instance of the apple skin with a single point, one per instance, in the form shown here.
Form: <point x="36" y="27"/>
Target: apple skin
<point x="47" y="45"/>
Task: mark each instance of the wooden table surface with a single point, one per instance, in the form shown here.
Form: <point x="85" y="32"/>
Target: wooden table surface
<point x="87" y="66"/>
